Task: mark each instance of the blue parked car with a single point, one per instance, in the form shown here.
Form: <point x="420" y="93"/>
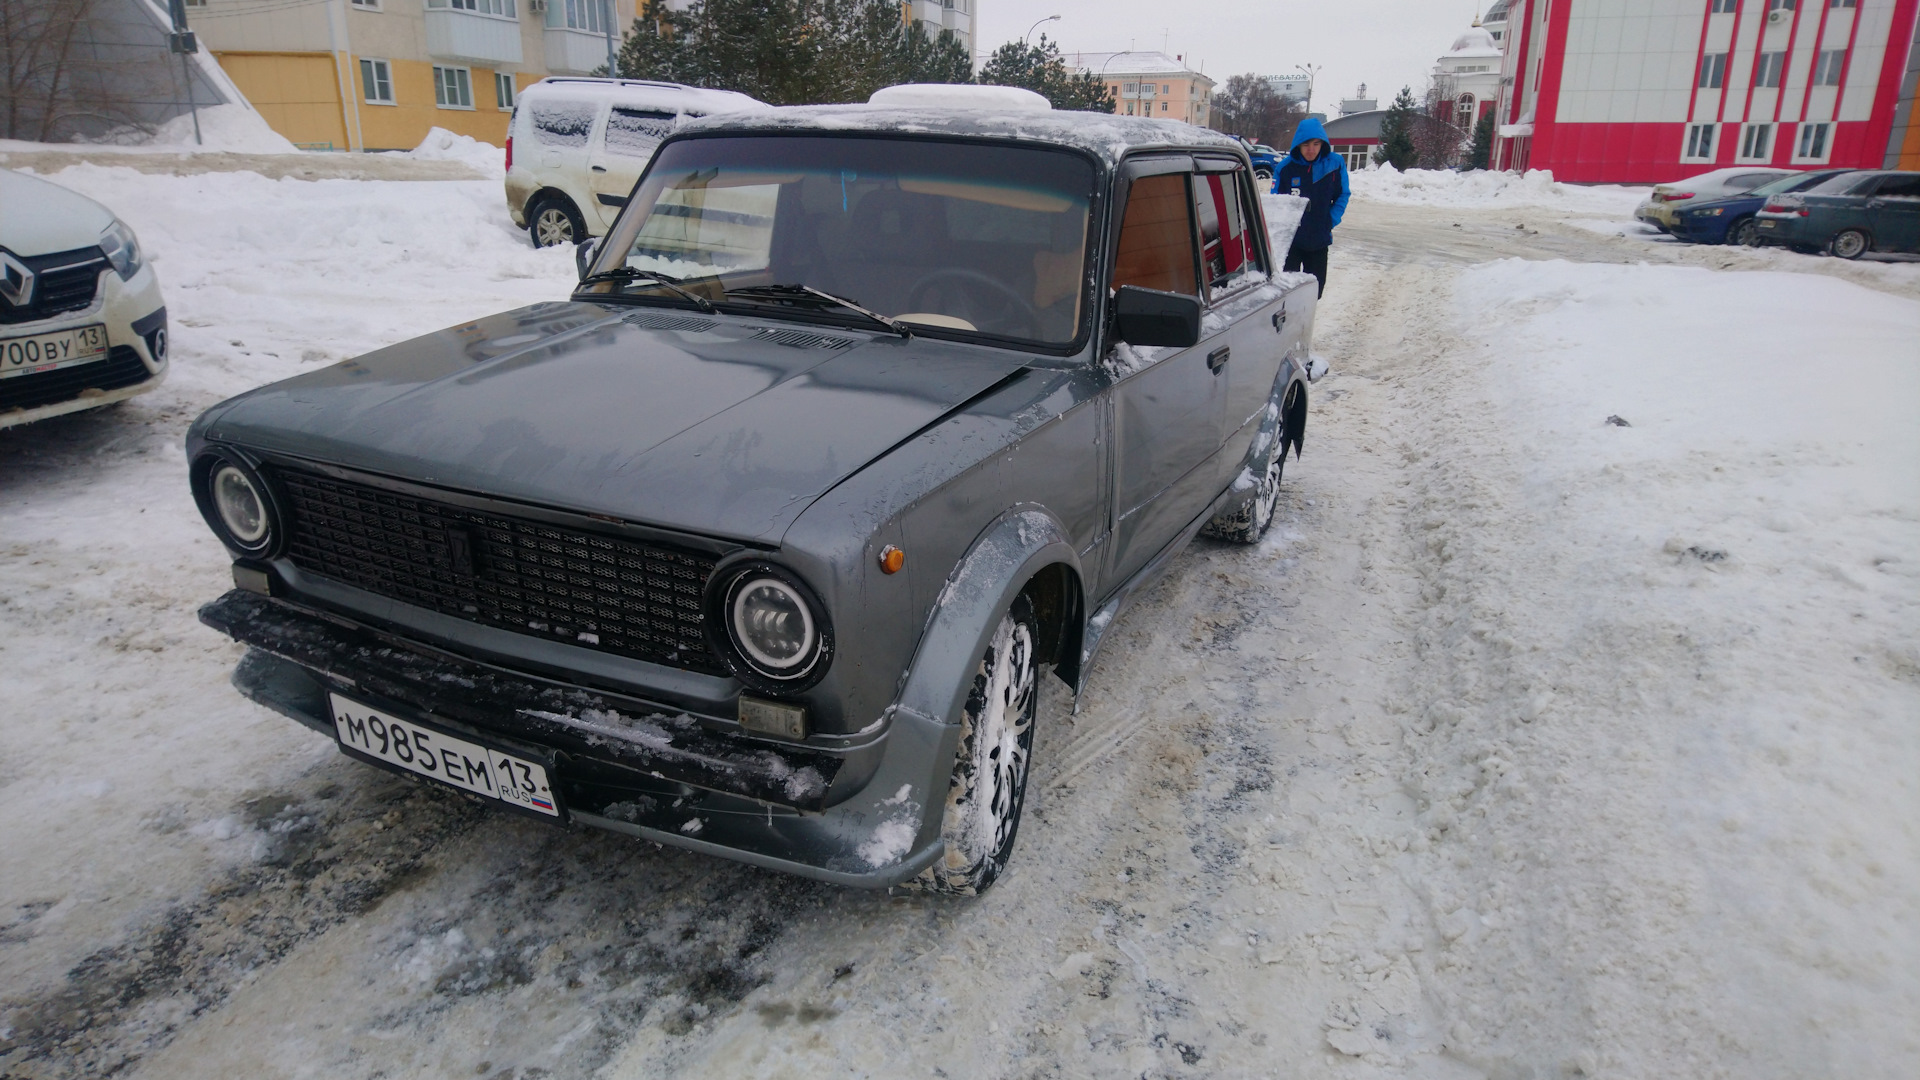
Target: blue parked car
<point x="1731" y="221"/>
<point x="1266" y="161"/>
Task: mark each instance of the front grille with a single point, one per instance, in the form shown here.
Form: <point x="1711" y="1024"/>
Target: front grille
<point x="589" y="589"/>
<point x="66" y="281"/>
<point x="122" y="367"/>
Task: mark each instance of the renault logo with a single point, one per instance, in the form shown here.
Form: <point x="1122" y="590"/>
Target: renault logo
<point x="16" y="281"/>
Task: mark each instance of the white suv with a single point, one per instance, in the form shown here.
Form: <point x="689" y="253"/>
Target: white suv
<point x="81" y="321"/>
<point x="576" y="147"/>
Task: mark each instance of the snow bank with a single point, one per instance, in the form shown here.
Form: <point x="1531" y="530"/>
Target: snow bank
<point x="443" y="145"/>
<point x="233" y="129"/>
<point x="1491" y="190"/>
<point x="1666" y="758"/>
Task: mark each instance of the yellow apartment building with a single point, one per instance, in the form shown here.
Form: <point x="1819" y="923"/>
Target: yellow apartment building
<point x="378" y="74"/>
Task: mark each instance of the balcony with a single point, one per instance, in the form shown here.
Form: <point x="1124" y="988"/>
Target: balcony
<point x="472" y="38"/>
<point x="575" y="52"/>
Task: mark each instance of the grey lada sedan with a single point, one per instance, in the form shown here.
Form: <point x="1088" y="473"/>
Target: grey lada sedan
<point x="859" y="421"/>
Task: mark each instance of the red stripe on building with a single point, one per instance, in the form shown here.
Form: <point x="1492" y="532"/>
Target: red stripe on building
<point x="1893" y="68"/>
<point x="1553" y="65"/>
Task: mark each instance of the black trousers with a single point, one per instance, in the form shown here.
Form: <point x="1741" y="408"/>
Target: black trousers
<point x="1312" y="260"/>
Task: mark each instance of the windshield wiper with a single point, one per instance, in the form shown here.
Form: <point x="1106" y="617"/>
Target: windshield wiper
<point x="797" y="292"/>
<point x="628" y="273"/>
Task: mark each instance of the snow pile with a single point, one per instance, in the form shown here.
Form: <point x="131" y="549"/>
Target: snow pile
<point x="1491" y="190"/>
<point x="1664" y="751"/>
<point x="234" y="129"/>
<point x="443" y="145"/>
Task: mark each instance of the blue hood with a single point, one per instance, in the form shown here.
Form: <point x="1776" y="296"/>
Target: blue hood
<point x="1310" y="128"/>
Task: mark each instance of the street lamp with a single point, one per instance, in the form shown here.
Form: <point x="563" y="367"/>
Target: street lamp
<point x="1309" y="72"/>
<point x="1036" y="26"/>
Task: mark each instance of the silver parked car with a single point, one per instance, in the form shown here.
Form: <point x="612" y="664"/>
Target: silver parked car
<point x="860" y="421"/>
<point x="1662" y="209"/>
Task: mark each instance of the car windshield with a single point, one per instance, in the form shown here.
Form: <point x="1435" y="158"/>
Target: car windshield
<point x="956" y="239"/>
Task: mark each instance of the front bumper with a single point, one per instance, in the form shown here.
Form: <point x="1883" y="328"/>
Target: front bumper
<point x="135" y="363"/>
<point x="618" y="763"/>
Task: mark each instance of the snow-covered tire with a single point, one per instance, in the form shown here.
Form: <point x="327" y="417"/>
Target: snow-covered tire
<point x="554" y="220"/>
<point x="1265" y="177"/>
<point x="1849" y="244"/>
<point x="989" y="786"/>
<point x="1744" y="233"/>
<point x="1251" y="522"/>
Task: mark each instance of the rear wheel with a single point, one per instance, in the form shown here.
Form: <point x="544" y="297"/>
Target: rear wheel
<point x="554" y="220"/>
<point x="1849" y="244"/>
<point x="1251" y="522"/>
<point x="1744" y="233"/>
<point x="1265" y="176"/>
<point x="989" y="785"/>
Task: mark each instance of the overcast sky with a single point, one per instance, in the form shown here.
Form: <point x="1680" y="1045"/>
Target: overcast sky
<point x="1386" y="44"/>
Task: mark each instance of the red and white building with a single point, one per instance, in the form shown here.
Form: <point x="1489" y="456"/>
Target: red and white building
<point x="1644" y="91"/>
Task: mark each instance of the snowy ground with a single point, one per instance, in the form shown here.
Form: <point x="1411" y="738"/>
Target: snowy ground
<point x="1528" y="745"/>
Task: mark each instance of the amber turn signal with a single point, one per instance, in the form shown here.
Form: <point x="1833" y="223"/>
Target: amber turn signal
<point x="892" y="559"/>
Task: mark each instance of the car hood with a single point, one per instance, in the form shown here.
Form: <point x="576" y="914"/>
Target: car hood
<point x="40" y="218"/>
<point x="717" y="426"/>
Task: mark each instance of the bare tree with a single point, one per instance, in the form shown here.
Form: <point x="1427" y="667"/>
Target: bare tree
<point x="77" y="68"/>
<point x="1248" y="106"/>
<point x="1440" y="141"/>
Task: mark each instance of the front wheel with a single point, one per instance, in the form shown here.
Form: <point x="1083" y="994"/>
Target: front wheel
<point x="1849" y="244"/>
<point x="989" y="785"/>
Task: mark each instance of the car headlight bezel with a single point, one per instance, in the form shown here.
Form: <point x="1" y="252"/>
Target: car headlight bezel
<point x="741" y="590"/>
<point x="220" y="474"/>
<point x="122" y="249"/>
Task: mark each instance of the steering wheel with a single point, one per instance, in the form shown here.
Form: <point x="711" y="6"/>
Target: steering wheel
<point x="973" y="283"/>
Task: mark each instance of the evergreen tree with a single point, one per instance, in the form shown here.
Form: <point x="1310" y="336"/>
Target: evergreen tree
<point x="789" y="52"/>
<point x="1481" y="156"/>
<point x="1396" y="132"/>
<point x="1040" y="69"/>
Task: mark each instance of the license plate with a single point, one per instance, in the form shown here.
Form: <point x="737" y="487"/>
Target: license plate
<point x="44" y="352"/>
<point x="1767" y="224"/>
<point x="436" y="755"/>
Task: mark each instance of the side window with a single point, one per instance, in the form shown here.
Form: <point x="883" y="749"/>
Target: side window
<point x="1156" y="237"/>
<point x="1220" y="206"/>
<point x="636" y="132"/>
<point x="1899" y="187"/>
<point x="562" y="123"/>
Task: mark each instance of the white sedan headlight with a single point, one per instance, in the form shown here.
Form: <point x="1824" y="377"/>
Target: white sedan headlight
<point x="122" y="249"/>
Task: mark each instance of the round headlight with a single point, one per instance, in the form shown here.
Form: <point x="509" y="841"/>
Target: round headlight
<point x="772" y="625"/>
<point x="240" y="506"/>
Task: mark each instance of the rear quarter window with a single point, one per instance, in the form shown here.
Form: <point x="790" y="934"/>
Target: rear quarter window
<point x="1899" y="187"/>
<point x="562" y="123"/>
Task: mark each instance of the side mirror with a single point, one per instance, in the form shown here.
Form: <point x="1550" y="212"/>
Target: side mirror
<point x="1150" y="317"/>
<point x="583" y="255"/>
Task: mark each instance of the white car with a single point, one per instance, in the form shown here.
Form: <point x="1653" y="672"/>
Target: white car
<point x="576" y="147"/>
<point x="81" y="320"/>
<point x="1668" y="200"/>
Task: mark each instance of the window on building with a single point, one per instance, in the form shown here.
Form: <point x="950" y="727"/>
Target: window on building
<point x="1354" y="153"/>
<point x="1780" y="5"/>
<point x="589" y="15"/>
<point x="1156" y="237"/>
<point x="1840" y="3"/>
<point x="1700" y="142"/>
<point x="1713" y="71"/>
<point x="1463" y="111"/>
<point x="1756" y="142"/>
<point x="1725" y="7"/>
<point x="503" y="8"/>
<point x="452" y="87"/>
<point x="1163" y="106"/>
<point x="1166" y="88"/>
<point x="1813" y="142"/>
<point x="1826" y="69"/>
<point x="364" y="5"/>
<point x="503" y="92"/>
<point x="376" y="82"/>
<point x="196" y="3"/>
<point x="1772" y="66"/>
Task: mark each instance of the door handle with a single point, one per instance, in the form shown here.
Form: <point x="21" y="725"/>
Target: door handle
<point x="599" y="168"/>
<point x="1280" y="320"/>
<point x="1218" y="358"/>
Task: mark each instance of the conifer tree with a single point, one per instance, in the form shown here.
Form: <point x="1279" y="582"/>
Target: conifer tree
<point x="1039" y="68"/>
<point x="1396" y="132"/>
<point x="1481" y="155"/>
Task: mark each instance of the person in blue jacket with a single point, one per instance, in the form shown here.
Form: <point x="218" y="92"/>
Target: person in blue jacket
<point x="1317" y="174"/>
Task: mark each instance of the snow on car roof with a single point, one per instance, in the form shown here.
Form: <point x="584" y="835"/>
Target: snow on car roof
<point x="1103" y="134"/>
<point x="661" y="96"/>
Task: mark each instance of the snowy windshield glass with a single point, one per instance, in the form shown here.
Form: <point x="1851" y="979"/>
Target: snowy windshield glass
<point x="949" y="238"/>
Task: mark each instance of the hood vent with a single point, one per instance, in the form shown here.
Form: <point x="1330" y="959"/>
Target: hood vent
<point x="689" y="324"/>
<point x="800" y="339"/>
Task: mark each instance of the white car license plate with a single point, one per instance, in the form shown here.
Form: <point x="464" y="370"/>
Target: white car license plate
<point x="442" y="757"/>
<point x="44" y="352"/>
